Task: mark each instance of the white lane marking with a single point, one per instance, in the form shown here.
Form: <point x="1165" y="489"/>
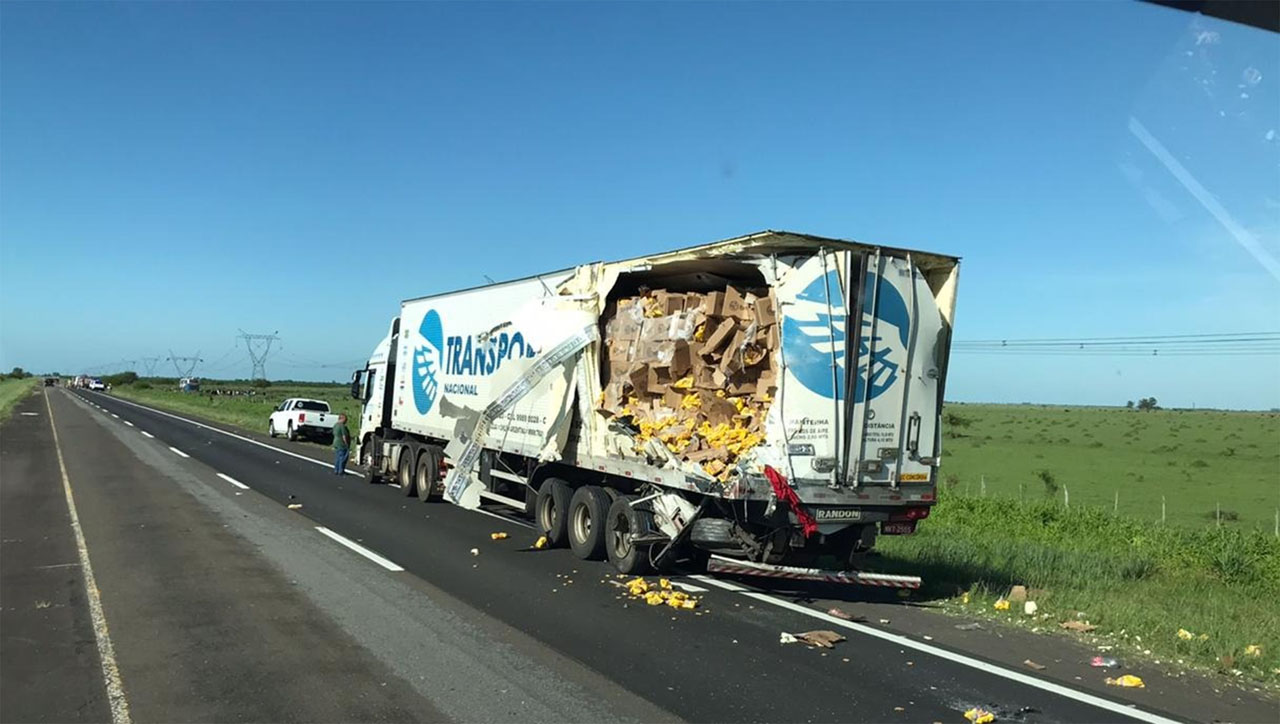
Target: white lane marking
<point x="689" y="587"/>
<point x="144" y="432"/>
<point x="359" y="549"/>
<point x="726" y="585"/>
<point x="983" y="666"/>
<point x="130" y="424"/>
<point x="115" y="416"/>
<point x="106" y="652"/>
<point x="178" y="452"/>
<point x="29" y="414"/>
<point x="233" y="481"/>
<point x="238" y="437"/>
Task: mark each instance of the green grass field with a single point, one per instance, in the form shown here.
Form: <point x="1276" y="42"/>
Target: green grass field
<point x="249" y="412"/>
<point x="12" y="390"/>
<point x="1195" y="460"/>
<point x="1137" y="579"/>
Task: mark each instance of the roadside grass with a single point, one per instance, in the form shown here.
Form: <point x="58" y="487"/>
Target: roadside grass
<point x="248" y="411"/>
<point x="1139" y="582"/>
<point x="12" y="390"/>
<point x="1126" y="461"/>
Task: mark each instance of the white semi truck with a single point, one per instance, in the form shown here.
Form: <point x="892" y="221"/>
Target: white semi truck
<point x="710" y="405"/>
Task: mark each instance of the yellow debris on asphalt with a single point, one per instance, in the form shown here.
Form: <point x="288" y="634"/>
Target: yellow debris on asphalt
<point x="498" y="536"/>
<point x="978" y="715"/>
<point x="1128" y="681"/>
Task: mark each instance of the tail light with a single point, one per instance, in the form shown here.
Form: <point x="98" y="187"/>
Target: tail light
<point x="302" y="417"/>
<point x="919" y="513"/>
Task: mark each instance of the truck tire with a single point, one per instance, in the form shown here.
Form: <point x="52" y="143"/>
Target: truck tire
<point x="271" y="428"/>
<point x="530" y="502"/>
<point x="551" y="514"/>
<point x="366" y="459"/>
<point x="404" y="471"/>
<point x="588" y="509"/>
<point x="291" y="433"/>
<point x="622" y="522"/>
<point x="427" y="475"/>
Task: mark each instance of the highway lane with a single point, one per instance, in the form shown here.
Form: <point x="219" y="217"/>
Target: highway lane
<point x="725" y="664"/>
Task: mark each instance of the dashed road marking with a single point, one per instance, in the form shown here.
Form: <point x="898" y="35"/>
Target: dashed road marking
<point x="147" y="434"/>
<point x="233" y="481"/>
<point x="178" y="452"/>
<point x="130" y="424"/>
<point x="359" y="549"/>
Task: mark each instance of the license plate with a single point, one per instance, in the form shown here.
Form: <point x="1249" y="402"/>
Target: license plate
<point x="906" y="527"/>
<point x="838" y="514"/>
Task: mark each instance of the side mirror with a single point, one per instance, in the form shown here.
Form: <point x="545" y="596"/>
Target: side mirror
<point x="355" y="384"/>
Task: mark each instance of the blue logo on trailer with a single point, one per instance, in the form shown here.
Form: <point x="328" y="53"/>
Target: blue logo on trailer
<point x="813" y="333"/>
<point x="426" y="362"/>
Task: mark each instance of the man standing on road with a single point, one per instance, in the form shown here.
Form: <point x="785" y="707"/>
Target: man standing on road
<point x="341" y="445"/>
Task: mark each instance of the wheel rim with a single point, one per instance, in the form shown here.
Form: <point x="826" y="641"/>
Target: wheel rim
<point x="546" y="511"/>
<point x="403" y="477"/>
<point x="620" y="541"/>
<point x="424" y="487"/>
<point x="580" y="522"/>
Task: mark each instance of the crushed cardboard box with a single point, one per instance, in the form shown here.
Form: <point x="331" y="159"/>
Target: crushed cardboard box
<point x="693" y="371"/>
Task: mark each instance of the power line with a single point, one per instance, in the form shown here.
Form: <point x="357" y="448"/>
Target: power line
<point x="189" y="362"/>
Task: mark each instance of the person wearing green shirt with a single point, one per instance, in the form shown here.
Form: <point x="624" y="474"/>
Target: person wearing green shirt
<point x="341" y="445"/>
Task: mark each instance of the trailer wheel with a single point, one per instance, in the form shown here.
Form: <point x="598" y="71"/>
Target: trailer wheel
<point x="428" y="474"/>
<point x="588" y="510"/>
<point x="622" y="523"/>
<point x="404" y="471"/>
<point x="551" y="512"/>
<point x="530" y="502"/>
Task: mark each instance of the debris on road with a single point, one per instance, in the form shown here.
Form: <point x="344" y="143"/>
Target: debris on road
<point x="839" y="613"/>
<point x="1030" y="608"/>
<point x="1001" y="604"/>
<point x="821" y="639"/>
<point x="975" y="626"/>
<point x="786" y="638"/>
<point x="498" y="536"/>
<point x="1033" y="665"/>
<point x="475" y="551"/>
<point x="540" y="544"/>
<point x="1185" y="635"/>
<point x="884" y="621"/>
<point x="1104" y="662"/>
<point x="659" y="594"/>
<point x="1129" y="681"/>
<point x="1017" y="594"/>
<point x="1078" y="626"/>
<point x="294" y="506"/>
<point x="1253" y="650"/>
<point x="978" y="715"/>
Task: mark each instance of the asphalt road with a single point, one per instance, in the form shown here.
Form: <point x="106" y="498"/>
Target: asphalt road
<point x="225" y="604"/>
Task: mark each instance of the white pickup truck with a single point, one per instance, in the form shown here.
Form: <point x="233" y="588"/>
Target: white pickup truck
<point x="297" y="417"/>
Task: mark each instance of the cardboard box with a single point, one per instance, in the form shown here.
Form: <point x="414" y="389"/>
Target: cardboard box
<point x="639" y="379"/>
<point x="713" y="304"/>
<point x="681" y="360"/>
<point x="765" y="311"/>
<point x="669" y="303"/>
<point x="731" y="359"/>
<point x="717" y="338"/>
<point x="735" y="304"/>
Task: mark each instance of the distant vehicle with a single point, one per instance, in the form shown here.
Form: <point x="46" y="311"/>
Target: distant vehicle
<point x="189" y="384"/>
<point x="98" y="385"/>
<point x="297" y="417"/>
<point x="50" y="381"/>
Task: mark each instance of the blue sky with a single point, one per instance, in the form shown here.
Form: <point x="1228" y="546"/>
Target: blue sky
<point x="173" y="172"/>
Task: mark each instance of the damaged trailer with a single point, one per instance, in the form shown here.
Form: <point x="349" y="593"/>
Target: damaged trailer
<point x="704" y="405"/>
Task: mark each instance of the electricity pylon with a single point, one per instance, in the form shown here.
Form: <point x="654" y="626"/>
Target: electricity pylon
<point x="259" y="346"/>
<point x="190" y="363"/>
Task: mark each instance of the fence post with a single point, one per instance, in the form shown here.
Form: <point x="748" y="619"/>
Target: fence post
<point x="1278" y="522"/>
<point x="1066" y="497"/>
<point x="1218" y="507"/>
<point x="984" y="486"/>
<point x="1115" y="507"/>
<point x="1161" y="510"/>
